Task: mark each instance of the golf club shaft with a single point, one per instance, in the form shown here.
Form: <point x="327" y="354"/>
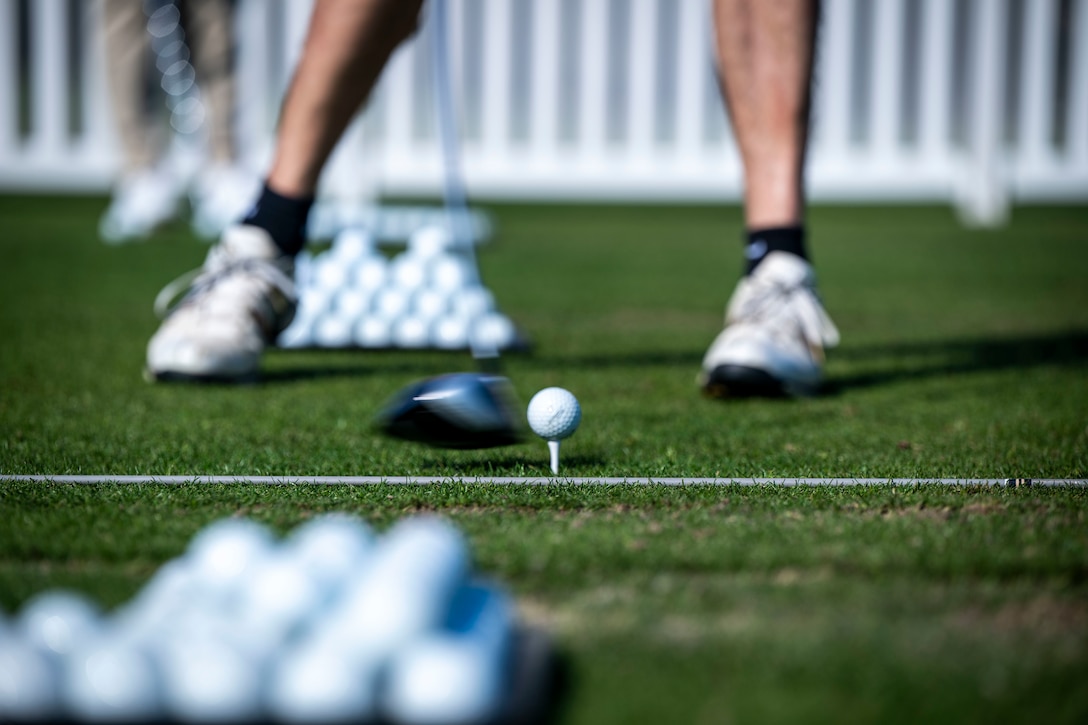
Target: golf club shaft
<point x="455" y="196"/>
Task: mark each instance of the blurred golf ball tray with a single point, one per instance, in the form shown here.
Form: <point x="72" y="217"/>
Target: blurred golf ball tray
<point x="428" y="296"/>
<point x="332" y="624"/>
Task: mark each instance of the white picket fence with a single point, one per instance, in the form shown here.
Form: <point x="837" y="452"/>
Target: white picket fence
<point x="976" y="102"/>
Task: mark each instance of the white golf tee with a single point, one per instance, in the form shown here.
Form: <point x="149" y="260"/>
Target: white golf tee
<point x="553" y="448"/>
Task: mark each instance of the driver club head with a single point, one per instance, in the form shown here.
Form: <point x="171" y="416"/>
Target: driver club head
<point x="458" y="410"/>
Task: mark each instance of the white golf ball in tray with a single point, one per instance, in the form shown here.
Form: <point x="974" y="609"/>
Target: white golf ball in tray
<point x="353" y="243"/>
<point x="426" y="297"/>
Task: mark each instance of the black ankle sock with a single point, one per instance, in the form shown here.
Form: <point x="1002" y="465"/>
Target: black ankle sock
<point x="777" y="239"/>
<point x="283" y="218"/>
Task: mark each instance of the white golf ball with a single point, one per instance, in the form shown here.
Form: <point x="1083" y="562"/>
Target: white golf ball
<point x="443" y="679"/>
<point x="494" y="330"/>
<point x="330" y="273"/>
<point x="28" y="682"/>
<point x="330" y="547"/>
<point x="473" y="302"/>
<point x="352" y="303"/>
<point x="110" y="680"/>
<point x="373" y="332"/>
<point x="58" y="621"/>
<point x="451" y="332"/>
<point x="429" y="303"/>
<point x="409" y="272"/>
<point x="277" y="597"/>
<point x="411" y="332"/>
<point x="430" y="240"/>
<point x="321" y="682"/>
<point x="369" y="274"/>
<point x="222" y="552"/>
<point x="554" y="414"/>
<point x="406" y="590"/>
<point x="333" y="330"/>
<point x="449" y="272"/>
<point x="206" y="678"/>
<point x="392" y="303"/>
<point x="353" y="243"/>
<point x="458" y="673"/>
<point x="312" y="302"/>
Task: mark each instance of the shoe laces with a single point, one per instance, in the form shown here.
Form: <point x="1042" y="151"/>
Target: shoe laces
<point x="785" y="308"/>
<point x="195" y="287"/>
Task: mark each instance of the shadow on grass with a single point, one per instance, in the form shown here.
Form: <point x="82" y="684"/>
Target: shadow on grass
<point x="634" y="359"/>
<point x="956" y="357"/>
<point x="371" y="367"/>
<point x="374" y="365"/>
<point x="914" y="361"/>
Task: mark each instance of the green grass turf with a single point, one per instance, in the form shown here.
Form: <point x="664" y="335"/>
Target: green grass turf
<point x="688" y="605"/>
<point x="964" y="355"/>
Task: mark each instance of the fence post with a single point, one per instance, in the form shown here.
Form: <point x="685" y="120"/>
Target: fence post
<point x="48" y="75"/>
<point x="1077" y="125"/>
<point x="9" y="84"/>
<point x="886" y="84"/>
<point x="984" y="191"/>
<point x="1037" y="81"/>
<point x="935" y="53"/>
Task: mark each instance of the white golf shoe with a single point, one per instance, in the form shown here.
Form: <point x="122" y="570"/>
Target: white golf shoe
<point x="234" y="306"/>
<point x="142" y="202"/>
<point x="775" y="333"/>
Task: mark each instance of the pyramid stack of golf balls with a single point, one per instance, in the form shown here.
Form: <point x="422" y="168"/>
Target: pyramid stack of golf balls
<point x="332" y="624"/>
<point x="428" y="296"/>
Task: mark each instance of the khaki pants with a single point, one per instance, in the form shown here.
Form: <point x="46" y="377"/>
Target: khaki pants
<point x="130" y="66"/>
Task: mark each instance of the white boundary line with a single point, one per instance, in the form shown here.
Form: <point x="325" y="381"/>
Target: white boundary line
<point x="543" y="481"/>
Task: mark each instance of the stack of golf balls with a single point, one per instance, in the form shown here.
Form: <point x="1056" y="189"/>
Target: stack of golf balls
<point x="332" y="624"/>
<point x="428" y="296"/>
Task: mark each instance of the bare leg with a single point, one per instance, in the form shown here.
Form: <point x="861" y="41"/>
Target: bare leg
<point x="765" y="50"/>
<point x="776" y="328"/>
<point x="347" y="46"/>
<point x="222" y="338"/>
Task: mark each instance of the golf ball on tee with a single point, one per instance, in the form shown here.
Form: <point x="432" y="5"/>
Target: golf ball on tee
<point x="554" y="413"/>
